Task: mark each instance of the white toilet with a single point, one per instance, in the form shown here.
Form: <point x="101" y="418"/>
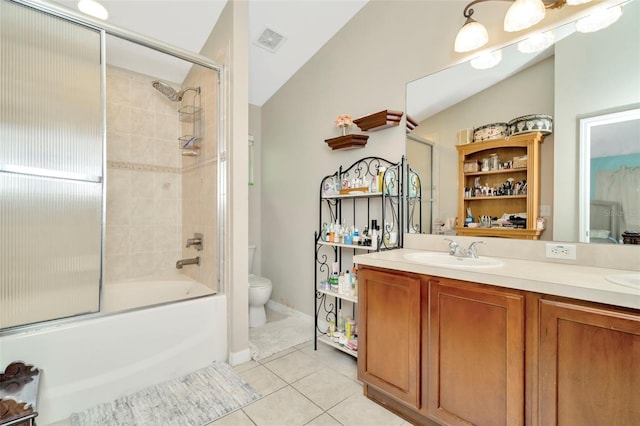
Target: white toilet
<point x="259" y="294"/>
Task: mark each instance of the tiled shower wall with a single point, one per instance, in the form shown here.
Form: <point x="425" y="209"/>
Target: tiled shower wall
<point x="144" y="183"/>
<point x="199" y="182"/>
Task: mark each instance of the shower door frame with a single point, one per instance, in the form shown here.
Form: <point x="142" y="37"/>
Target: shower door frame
<point x="222" y="161"/>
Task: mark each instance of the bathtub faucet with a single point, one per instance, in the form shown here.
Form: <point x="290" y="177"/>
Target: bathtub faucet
<point x="194" y="261"/>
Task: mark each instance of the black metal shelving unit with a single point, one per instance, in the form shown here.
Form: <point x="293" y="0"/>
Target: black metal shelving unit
<point x="397" y="208"/>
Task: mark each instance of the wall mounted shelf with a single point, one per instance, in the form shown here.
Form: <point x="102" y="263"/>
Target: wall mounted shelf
<point x="411" y="124"/>
<point x="379" y="120"/>
<point x="347" y="142"/>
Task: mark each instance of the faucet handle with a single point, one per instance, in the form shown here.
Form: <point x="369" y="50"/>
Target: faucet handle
<point x="196" y="241"/>
<point x="472" y="250"/>
<point x="453" y="246"/>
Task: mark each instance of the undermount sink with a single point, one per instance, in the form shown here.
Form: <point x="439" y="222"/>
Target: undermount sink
<point x="627" y="280"/>
<point x="447" y="261"/>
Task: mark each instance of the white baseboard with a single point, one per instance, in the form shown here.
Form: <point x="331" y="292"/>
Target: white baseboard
<point x="237" y="358"/>
<point x="286" y="310"/>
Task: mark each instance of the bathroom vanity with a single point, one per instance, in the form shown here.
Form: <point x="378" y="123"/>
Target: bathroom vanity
<point x="498" y="345"/>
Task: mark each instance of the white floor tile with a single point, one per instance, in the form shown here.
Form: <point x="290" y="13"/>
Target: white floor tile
<point x="358" y="410"/>
<point x="293" y="366"/>
<point x="324" y="420"/>
<point x="277" y="355"/>
<point x="246" y="366"/>
<point x="237" y="418"/>
<point x="284" y="407"/>
<point x="263" y="380"/>
<point x="326" y="388"/>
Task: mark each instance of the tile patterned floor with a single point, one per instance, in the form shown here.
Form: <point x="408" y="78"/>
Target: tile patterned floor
<point x="301" y="386"/>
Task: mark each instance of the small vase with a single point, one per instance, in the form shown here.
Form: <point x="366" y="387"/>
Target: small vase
<point x="345" y="130"/>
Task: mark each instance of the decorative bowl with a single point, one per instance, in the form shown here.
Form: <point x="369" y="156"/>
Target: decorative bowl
<point x="531" y="123"/>
<point x="490" y="131"/>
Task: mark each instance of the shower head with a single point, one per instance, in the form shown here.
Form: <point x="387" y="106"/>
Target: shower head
<point x="170" y="92"/>
<point x="166" y="90"/>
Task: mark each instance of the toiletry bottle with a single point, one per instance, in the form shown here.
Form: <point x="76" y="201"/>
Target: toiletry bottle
<point x="381" y="171"/>
<point x="341" y="283"/>
<point x="347" y="282"/>
<point x="374" y="239"/>
<point x="354" y="281"/>
<point x="340" y="321"/>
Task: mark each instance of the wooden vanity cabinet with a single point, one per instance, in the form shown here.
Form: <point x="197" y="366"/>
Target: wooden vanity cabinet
<point x="589" y="365"/>
<point x="441" y="351"/>
<point x="476" y="354"/>
<point x="389" y="333"/>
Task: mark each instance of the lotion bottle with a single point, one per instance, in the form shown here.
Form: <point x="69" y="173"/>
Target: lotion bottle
<point x="374" y="239"/>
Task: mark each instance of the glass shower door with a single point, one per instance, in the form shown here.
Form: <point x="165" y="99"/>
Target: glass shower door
<point x="51" y="167"/>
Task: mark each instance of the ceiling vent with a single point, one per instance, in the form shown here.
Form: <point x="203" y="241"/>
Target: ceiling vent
<point x="270" y="40"/>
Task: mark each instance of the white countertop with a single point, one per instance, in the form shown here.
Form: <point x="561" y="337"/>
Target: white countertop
<point x="574" y="281"/>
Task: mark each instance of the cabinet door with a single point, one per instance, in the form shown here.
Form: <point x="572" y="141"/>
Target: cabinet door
<point x="589" y="366"/>
<point x="476" y="354"/>
<point x="389" y="333"/>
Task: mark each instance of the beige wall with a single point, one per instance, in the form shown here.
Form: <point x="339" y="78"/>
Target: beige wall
<point x="255" y="216"/>
<point x="228" y="45"/>
<point x="363" y="69"/>
<point x="143" y="221"/>
<point x="495" y="104"/>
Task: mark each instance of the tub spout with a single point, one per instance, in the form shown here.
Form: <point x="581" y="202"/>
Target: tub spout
<point x="194" y="261"/>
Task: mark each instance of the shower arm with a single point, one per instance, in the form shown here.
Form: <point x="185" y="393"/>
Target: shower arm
<point x="185" y="90"/>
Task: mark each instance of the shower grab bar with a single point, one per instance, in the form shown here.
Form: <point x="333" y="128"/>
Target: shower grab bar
<point x="46" y="173"/>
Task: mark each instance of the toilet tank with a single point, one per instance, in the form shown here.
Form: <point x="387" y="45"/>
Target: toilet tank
<point x="252" y="252"/>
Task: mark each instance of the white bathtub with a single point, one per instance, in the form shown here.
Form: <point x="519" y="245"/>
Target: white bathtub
<point x="89" y="361"/>
<point x="124" y="295"/>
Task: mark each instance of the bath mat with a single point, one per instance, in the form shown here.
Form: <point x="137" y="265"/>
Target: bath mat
<point x="192" y="400"/>
<point x="279" y="335"/>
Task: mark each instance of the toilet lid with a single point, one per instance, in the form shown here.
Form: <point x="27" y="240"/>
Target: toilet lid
<point x="256" y="281"/>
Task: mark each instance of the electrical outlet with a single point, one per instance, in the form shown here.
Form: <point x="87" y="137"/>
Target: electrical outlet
<point x="561" y="251"/>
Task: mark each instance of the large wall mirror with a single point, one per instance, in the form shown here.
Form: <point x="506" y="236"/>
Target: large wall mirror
<point x="580" y="76"/>
<point x="610" y="175"/>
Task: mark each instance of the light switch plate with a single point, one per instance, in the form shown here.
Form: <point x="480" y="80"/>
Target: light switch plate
<point x="561" y="251"/>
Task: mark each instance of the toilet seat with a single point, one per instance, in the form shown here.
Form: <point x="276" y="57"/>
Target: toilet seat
<point x="257" y="282"/>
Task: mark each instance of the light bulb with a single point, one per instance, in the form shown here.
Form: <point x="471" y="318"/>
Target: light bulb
<point x="599" y="19"/>
<point x="487" y="60"/>
<point x="537" y="42"/>
<point x="471" y="36"/>
<point x="523" y="14"/>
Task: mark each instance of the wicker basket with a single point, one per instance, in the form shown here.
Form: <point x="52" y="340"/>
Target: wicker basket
<point x="471" y="166"/>
<point x="520" y="162"/>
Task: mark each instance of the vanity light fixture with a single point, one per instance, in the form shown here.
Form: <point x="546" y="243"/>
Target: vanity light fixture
<point x="599" y="19"/>
<point x="537" y="42"/>
<point x="521" y="15"/>
<point x="93" y="8"/>
<point x="487" y="60"/>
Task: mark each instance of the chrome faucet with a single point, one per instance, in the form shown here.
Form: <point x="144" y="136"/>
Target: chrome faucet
<point x="457" y="251"/>
<point x="453" y="247"/>
<point x="472" y="250"/>
<point x="196" y="241"/>
<point x="194" y="261"/>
